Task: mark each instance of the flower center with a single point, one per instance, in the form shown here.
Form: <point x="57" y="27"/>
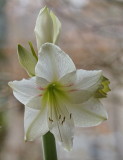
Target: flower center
<point x="52" y="87"/>
<point x="53" y="92"/>
<point x="54" y="95"/>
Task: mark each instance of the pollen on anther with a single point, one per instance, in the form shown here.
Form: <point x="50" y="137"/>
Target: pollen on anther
<point x="70" y="115"/>
<point x="63" y="120"/>
<point x="50" y="119"/>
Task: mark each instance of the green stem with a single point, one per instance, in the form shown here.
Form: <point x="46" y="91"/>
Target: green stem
<point x="49" y="147"/>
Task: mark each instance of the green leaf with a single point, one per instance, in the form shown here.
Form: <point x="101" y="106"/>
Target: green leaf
<point x="27" y="59"/>
<point x="32" y="50"/>
<point x="103" y="88"/>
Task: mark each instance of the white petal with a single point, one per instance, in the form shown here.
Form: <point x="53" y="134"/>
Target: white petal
<point x="53" y="63"/>
<point x="88" y="114"/>
<point x="35" y="103"/>
<point x="35" y="123"/>
<point x="79" y="96"/>
<point x="25" y="89"/>
<point x="62" y="127"/>
<point x="69" y="79"/>
<point x="64" y="134"/>
<point x="41" y="82"/>
<point x="81" y="84"/>
<point x="75" y="95"/>
<point x="56" y="27"/>
<point x="44" y="27"/>
<point x="88" y="79"/>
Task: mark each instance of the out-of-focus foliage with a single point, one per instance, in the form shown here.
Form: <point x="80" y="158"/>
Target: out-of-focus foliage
<point x="2" y="23"/>
<point x="2" y="129"/>
<point x="4" y="89"/>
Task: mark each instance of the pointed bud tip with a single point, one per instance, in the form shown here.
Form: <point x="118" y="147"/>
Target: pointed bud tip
<point x="19" y="46"/>
<point x="44" y="9"/>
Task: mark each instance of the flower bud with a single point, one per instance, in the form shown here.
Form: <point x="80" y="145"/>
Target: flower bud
<point x="47" y="28"/>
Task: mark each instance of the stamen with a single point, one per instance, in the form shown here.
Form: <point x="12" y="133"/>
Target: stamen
<point x="63" y="121"/>
<point x="70" y="115"/>
<point x="50" y="119"/>
<point x="58" y="124"/>
<point x="59" y="132"/>
<point x="59" y="116"/>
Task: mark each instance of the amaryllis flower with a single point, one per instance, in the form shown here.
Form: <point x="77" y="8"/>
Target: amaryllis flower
<point x="59" y="97"/>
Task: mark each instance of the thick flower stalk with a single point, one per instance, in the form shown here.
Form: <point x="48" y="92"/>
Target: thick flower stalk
<point x="60" y="97"/>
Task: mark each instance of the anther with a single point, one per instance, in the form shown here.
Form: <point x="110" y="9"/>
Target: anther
<point x="63" y="120"/>
<point x="70" y="115"/>
<point x="50" y="119"/>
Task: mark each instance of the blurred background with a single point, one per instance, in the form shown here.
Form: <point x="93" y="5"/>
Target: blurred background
<point x="92" y="34"/>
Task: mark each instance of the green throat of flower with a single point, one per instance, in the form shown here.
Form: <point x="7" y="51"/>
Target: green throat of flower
<point x="53" y="93"/>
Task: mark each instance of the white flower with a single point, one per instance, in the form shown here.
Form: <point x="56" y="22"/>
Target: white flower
<point x="59" y="97"/>
<point x="47" y="28"/>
